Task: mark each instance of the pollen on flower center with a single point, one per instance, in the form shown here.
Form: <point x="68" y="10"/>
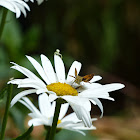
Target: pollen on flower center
<point x="62" y="89"/>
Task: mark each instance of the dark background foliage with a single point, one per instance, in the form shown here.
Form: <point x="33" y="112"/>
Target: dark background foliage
<point x="103" y="35"/>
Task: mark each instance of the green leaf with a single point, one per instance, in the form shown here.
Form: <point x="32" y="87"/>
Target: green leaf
<point x="2" y="92"/>
<point x="25" y="135"/>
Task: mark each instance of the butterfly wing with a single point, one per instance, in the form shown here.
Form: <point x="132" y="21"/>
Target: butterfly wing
<point x="87" y="78"/>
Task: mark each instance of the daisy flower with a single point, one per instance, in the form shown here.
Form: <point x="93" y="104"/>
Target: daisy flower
<point x="44" y="116"/>
<point x="16" y="6"/>
<point x="57" y="85"/>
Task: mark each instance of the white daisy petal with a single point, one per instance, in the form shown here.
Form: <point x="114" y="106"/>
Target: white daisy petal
<point x="108" y="98"/>
<point x="95" y="78"/>
<point x="63" y="110"/>
<point x="59" y="68"/>
<point x="28" y="86"/>
<point x="88" y="86"/>
<point x="29" y="0"/>
<point x="86" y="128"/>
<point x="7" y="5"/>
<point x="24" y="4"/>
<point x="94" y="119"/>
<point x="102" y="91"/>
<point x="65" y="124"/>
<point x="85" y="117"/>
<point x="52" y="109"/>
<point x="77" y="100"/>
<point x="51" y="92"/>
<point x="80" y="126"/>
<point x="44" y="104"/>
<point x="48" y="68"/>
<point x="111" y="87"/>
<point x="81" y="110"/>
<point x="26" y="72"/>
<point x="22" y="9"/>
<point x="71" y="72"/>
<point x="29" y="105"/>
<point x="98" y="102"/>
<point x="91" y="94"/>
<point x="35" y="122"/>
<point x="39" y="69"/>
<point x="52" y="97"/>
<point x="15" y="81"/>
<point x="82" y="114"/>
<point x="39" y="1"/>
<point x="17" y="11"/>
<point x="32" y="115"/>
<point x="16" y="6"/>
<point x="33" y="82"/>
<point x="25" y="104"/>
<point x="71" y="117"/>
<point x="21" y="94"/>
<point x="39" y="91"/>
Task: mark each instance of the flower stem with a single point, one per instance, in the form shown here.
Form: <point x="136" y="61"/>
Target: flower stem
<point x="48" y="133"/>
<point x="3" y="19"/>
<point x="55" y="120"/>
<point x="10" y="88"/>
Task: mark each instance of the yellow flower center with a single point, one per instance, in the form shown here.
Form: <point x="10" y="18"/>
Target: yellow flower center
<point x="62" y="89"/>
<point x="59" y="121"/>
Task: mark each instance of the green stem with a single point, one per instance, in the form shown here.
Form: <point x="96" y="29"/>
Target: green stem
<point x="10" y="88"/>
<point x="3" y="19"/>
<point x="48" y="133"/>
<point x="55" y="120"/>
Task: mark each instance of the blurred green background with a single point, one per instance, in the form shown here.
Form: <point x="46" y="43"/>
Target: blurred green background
<point x="104" y="35"/>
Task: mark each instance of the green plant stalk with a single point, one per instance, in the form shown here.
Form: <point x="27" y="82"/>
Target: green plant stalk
<point x="55" y="120"/>
<point x="9" y="91"/>
<point x="3" y="19"/>
<point x="48" y="133"/>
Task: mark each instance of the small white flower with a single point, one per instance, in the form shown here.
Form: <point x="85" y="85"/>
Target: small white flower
<point x="44" y="116"/>
<point x="57" y="86"/>
<point x="16" y="6"/>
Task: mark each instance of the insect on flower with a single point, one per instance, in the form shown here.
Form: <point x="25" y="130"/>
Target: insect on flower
<point x="57" y="52"/>
<point x="79" y="79"/>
